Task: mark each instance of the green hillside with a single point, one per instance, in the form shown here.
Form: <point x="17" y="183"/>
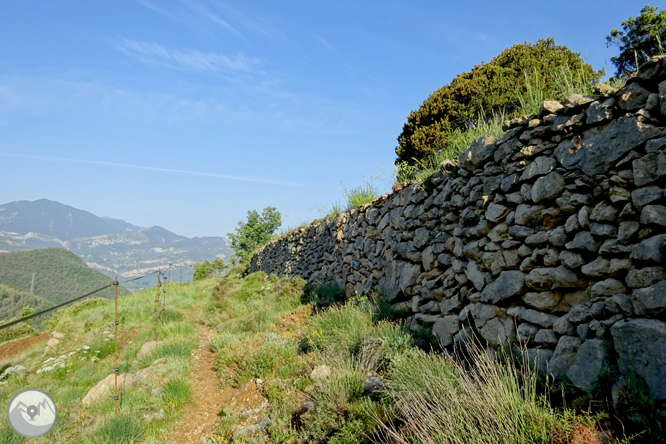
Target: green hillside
<point x="59" y="274"/>
<point x="12" y="301"/>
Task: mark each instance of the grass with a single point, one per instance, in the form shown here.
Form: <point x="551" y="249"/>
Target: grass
<point x="424" y="397"/>
<point x="457" y="142"/>
<point x="90" y="324"/>
<point x="360" y="195"/>
<point x="269" y="329"/>
<point x="124" y="429"/>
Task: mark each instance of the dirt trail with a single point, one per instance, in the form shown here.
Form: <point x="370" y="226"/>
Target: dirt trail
<point x="202" y="414"/>
<point x="16" y="347"/>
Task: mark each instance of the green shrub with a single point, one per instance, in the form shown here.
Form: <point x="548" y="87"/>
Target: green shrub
<point x="326" y="292"/>
<point x="494" y="87"/>
<point x="16" y="331"/>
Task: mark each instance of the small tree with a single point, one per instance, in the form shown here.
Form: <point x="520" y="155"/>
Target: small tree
<point x="206" y="269"/>
<point x="640" y="39"/>
<point x="254" y="233"/>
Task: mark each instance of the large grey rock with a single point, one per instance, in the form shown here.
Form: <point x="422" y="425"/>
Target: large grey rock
<point x="546" y="337"/>
<point x="103" y="389"/>
<point x="650" y="300"/>
<point x="603" y="146"/>
<point x="498" y="332"/>
<point x="633" y="97"/>
<point x="526" y="332"/>
<point x="476" y="276"/>
<point x="543" y="300"/>
<point x="604" y="212"/>
<point x="563" y="277"/>
<point x="564" y="355"/>
<point x="528" y="216"/>
<point x="608" y="287"/>
<point x="509" y="283"/>
<point x="644" y="277"/>
<point x="537" y="317"/>
<point x="652" y="69"/>
<point x="399" y="276"/>
<point x="597" y="268"/>
<point x="646" y="168"/>
<point x="499" y="233"/>
<point x="540" y="167"/>
<point x="428" y="258"/>
<point x="650" y="249"/>
<point x="539" y="279"/>
<point x="445" y="328"/>
<point x="477" y="153"/>
<point x="583" y="241"/>
<point x="627" y="230"/>
<point x="548" y="187"/>
<point x="590" y="362"/>
<point x="600" y="111"/>
<point x="550" y="107"/>
<point x="576" y="101"/>
<point x="496" y="212"/>
<point x="646" y="195"/>
<point x="482" y="313"/>
<point x="654" y="214"/>
<point x="641" y="348"/>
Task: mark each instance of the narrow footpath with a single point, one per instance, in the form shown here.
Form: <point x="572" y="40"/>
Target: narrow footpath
<point x="202" y="413"/>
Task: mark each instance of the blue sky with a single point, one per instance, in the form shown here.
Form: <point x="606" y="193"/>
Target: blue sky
<point x="188" y="113"/>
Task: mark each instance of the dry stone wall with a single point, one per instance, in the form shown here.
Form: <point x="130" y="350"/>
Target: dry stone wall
<point x="554" y="235"/>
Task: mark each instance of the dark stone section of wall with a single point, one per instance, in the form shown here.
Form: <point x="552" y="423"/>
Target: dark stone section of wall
<point x="554" y="235"/>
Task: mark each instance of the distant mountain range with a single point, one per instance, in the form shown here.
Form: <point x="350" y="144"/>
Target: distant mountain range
<point x="109" y="245"/>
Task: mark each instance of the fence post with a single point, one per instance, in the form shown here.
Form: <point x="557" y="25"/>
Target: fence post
<point x="115" y="340"/>
<point x="157" y="310"/>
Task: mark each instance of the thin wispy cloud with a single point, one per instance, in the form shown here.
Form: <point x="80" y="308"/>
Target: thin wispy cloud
<point x="191" y="60"/>
<point x="197" y="13"/>
<point x="324" y="42"/>
<point x="264" y="180"/>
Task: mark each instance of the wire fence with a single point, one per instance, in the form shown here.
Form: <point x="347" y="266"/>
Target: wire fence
<point x="159" y="312"/>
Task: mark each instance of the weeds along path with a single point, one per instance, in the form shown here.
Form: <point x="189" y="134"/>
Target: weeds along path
<point x="202" y="413"/>
<point x="14" y="348"/>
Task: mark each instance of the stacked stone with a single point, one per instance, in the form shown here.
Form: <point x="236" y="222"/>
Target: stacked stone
<point x="553" y="235"/>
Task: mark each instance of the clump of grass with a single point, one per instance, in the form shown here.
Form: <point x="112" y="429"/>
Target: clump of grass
<point x="273" y="352"/>
<point x="456" y="143"/>
<point x="172" y="348"/>
<point x="123" y="429"/>
<point x="533" y="98"/>
<point x="360" y="195"/>
<point x="441" y="399"/>
<point x="572" y="81"/>
<point x="176" y="393"/>
<point x="616" y="82"/>
<point x="341" y="328"/>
